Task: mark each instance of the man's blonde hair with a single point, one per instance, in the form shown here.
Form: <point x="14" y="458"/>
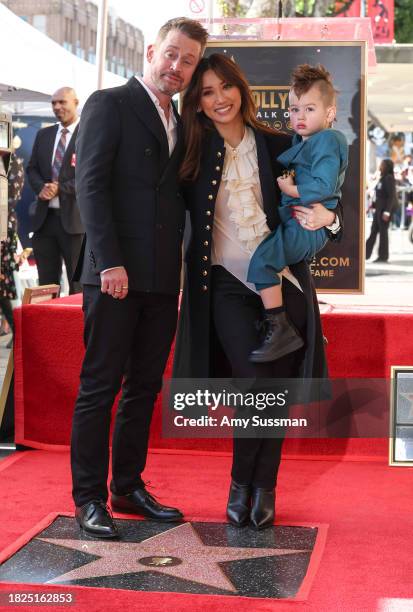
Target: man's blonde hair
<point x="191" y="28"/>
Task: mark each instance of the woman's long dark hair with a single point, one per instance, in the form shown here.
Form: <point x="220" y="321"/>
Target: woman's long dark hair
<point x="386" y="167"/>
<point x="197" y="123"/>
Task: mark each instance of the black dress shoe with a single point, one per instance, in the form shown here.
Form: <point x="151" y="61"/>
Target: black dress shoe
<point x="95" y="520"/>
<point x="263" y="508"/>
<point x="142" y="502"/>
<point x="281" y="338"/>
<point x="378" y="260"/>
<point x="239" y="504"/>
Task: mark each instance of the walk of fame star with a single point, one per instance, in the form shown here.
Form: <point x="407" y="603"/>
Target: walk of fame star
<point x="178" y="552"/>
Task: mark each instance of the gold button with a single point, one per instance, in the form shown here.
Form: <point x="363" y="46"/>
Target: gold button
<point x="219" y="154"/>
<point x="206" y="243"/>
<point x="205" y="258"/>
<point x="214" y="182"/>
<point x="217" y="168"/>
<point x="208" y="227"/>
<point x="204" y="288"/>
<point x="204" y="273"/>
<point x="208" y="213"/>
<point x="210" y="197"/>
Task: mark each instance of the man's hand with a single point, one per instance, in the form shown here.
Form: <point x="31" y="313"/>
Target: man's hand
<point x="115" y="282"/>
<point x="385" y="216"/>
<point x="49" y="191"/>
<point x="315" y="217"/>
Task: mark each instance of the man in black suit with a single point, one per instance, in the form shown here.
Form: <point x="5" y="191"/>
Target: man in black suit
<point x="129" y="150"/>
<point x="58" y="230"/>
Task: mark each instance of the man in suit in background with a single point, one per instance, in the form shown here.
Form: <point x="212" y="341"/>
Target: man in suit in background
<point x="58" y="230"/>
<point x="129" y="152"/>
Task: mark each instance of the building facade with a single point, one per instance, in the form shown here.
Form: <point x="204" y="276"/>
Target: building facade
<point x="73" y="24"/>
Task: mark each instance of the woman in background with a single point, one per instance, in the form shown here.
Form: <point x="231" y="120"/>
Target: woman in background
<point x="9" y="259"/>
<point x="385" y="200"/>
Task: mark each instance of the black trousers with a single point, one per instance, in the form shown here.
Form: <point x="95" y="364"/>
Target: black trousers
<point x="126" y="339"/>
<point x="382" y="228"/>
<point x="235" y="311"/>
<point x="51" y="243"/>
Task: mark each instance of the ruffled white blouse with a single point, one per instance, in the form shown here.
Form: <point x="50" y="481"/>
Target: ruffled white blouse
<point x="240" y="223"/>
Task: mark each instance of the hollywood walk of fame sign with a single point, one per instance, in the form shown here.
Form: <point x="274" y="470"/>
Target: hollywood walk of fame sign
<point x="268" y="64"/>
<point x="204" y="558"/>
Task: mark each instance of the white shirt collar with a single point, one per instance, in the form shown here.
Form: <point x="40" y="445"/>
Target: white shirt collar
<point x="70" y="127"/>
<point x="155" y="98"/>
<point x="170" y="124"/>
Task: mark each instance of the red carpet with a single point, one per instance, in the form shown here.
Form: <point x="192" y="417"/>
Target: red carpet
<point x="368" y="507"/>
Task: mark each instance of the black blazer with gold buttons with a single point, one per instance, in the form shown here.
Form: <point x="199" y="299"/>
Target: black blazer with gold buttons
<point x="195" y="346"/>
<point x="128" y="191"/>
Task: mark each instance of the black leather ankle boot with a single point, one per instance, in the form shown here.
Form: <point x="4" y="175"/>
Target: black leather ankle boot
<point x="239" y="504"/>
<point x="281" y="338"/>
<point x="262" y="507"/>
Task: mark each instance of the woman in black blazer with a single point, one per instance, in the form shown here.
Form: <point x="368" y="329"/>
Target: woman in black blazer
<point x="384" y="203"/>
<point x="219" y="310"/>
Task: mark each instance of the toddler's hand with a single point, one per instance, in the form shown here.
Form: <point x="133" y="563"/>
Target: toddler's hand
<point x="286" y="181"/>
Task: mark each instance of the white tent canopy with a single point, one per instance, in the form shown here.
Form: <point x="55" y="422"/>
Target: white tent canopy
<point x="33" y="66"/>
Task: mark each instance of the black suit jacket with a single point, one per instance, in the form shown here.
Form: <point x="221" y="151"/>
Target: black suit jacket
<point x="39" y="171"/>
<point x="127" y="190"/>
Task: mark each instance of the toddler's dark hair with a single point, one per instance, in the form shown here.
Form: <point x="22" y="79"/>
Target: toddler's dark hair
<point x="305" y="76"/>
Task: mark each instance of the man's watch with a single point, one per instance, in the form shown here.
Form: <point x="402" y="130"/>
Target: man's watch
<point x="335" y="227"/>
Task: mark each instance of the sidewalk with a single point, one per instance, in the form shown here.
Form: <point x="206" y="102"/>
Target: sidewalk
<point x="386" y="284"/>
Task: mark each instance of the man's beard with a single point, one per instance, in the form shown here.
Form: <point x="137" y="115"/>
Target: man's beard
<point x="168" y="90"/>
